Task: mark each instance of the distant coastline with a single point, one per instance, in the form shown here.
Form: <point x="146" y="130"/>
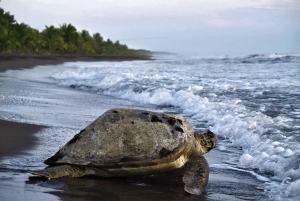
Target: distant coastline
<point x="22" y="46"/>
<point x="20" y="38"/>
<point x="20" y="61"/>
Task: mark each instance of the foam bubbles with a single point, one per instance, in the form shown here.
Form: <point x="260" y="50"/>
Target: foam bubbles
<point x="288" y="152"/>
<point x="293" y="189"/>
<point x="246" y="159"/>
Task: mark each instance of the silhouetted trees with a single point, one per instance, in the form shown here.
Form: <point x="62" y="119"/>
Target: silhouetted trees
<point x="66" y="39"/>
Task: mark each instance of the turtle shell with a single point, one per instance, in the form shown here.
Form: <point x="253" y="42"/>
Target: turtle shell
<point x="126" y="135"/>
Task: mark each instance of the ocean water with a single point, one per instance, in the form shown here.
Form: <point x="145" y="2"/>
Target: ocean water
<point x="251" y="102"/>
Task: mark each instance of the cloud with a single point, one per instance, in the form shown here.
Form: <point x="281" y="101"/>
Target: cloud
<point x="219" y="13"/>
<point x="132" y="9"/>
<point x="175" y="23"/>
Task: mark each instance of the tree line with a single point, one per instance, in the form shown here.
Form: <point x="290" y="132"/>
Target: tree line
<point x="20" y="38"/>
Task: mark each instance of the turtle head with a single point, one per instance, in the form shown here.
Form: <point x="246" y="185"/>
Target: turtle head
<point x="207" y="140"/>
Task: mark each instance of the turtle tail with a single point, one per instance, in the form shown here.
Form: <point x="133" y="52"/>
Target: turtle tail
<point x="58" y="171"/>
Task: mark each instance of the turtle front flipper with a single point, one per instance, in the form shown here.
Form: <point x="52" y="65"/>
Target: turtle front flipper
<point x="58" y="171"/>
<point x="196" y="175"/>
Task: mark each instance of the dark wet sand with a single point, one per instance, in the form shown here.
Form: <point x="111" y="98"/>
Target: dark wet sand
<point x="19" y="184"/>
<point x="14" y="62"/>
<point x="16" y="138"/>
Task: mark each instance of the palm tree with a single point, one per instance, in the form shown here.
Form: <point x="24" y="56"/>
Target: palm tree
<point x="98" y="37"/>
<point x="99" y="43"/>
<point x="86" y="35"/>
<point x="6" y="21"/>
<point x="70" y="37"/>
<point x="87" y="43"/>
<point x="108" y="47"/>
<point x="52" y="40"/>
<point x="21" y="38"/>
<point x="6" y="16"/>
<point x="37" y="41"/>
<point x="5" y="38"/>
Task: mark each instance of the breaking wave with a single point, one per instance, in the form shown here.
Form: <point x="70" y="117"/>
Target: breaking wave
<point x="251" y="102"/>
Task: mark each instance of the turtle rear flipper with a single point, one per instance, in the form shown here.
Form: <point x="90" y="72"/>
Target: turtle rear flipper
<point x="61" y="171"/>
<point x="196" y="175"/>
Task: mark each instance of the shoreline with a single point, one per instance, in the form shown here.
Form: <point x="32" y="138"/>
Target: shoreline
<point x="11" y="143"/>
<point x="15" y="62"/>
<point x="18" y="184"/>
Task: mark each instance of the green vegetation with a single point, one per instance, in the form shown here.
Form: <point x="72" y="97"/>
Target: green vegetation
<point x="66" y="39"/>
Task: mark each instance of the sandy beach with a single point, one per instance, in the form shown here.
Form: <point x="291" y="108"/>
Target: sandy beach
<point x="13" y="62"/>
<point x="19" y="184"/>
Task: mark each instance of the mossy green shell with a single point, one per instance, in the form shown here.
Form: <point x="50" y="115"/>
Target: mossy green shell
<point x="126" y="135"/>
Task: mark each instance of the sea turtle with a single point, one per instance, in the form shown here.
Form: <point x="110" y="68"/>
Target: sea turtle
<point x="129" y="142"/>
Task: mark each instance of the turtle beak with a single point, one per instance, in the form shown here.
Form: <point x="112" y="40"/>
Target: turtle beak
<point x="213" y="137"/>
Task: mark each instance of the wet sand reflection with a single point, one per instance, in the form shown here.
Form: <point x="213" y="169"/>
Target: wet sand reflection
<point x="153" y="187"/>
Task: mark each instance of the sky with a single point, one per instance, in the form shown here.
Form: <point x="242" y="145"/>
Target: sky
<point x="204" y="27"/>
